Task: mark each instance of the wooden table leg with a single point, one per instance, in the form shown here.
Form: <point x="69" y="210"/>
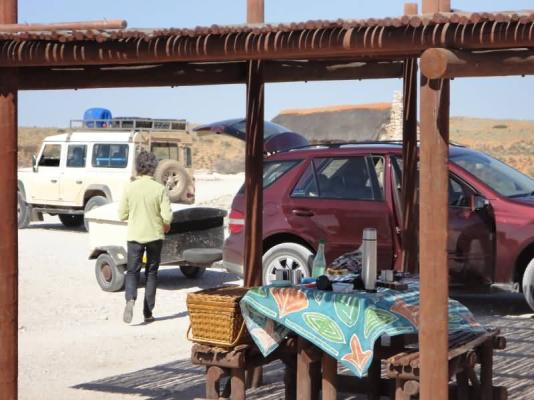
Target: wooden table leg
<point x="308" y="371"/>
<point x="374" y="373"/>
<point x="254" y="377"/>
<point x="213" y="376"/>
<point x="238" y="384"/>
<point x="290" y="377"/>
<point x="486" y="370"/>
<point x="329" y="377"/>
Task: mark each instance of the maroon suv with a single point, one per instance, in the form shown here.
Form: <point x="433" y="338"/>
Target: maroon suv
<point x="334" y="192"/>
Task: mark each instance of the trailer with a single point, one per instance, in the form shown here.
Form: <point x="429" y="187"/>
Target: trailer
<point x="193" y="243"/>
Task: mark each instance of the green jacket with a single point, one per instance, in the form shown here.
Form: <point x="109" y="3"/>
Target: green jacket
<point x="146" y="206"/>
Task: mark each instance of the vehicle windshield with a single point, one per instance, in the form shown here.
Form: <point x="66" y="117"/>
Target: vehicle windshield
<point x="500" y="177"/>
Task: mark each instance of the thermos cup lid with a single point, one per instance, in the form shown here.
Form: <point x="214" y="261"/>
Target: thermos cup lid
<point x="369" y="234"/>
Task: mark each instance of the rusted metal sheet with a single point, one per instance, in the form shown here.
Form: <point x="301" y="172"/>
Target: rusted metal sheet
<point x="311" y="40"/>
<point x="254" y="175"/>
<point x="184" y="74"/>
<point x="65" y="26"/>
<point x="444" y="64"/>
<point x="8" y="227"/>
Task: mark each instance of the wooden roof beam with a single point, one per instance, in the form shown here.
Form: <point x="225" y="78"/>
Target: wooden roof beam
<point x="446" y="64"/>
<point x="184" y="74"/>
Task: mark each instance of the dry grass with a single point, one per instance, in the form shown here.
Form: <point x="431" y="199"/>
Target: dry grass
<point x="511" y="141"/>
<point x="218" y="153"/>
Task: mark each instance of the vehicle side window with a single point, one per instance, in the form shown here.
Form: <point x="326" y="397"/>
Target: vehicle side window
<point x="351" y="178"/>
<point x="458" y="197"/>
<point x="188" y="156"/>
<point x="272" y="171"/>
<point x="110" y="155"/>
<point x="307" y="184"/>
<point x="164" y="151"/>
<point x="51" y="156"/>
<point x="76" y="155"/>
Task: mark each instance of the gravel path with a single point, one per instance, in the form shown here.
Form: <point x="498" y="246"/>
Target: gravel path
<point x="74" y="345"/>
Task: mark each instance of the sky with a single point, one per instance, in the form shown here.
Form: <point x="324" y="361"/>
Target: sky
<point x="505" y="97"/>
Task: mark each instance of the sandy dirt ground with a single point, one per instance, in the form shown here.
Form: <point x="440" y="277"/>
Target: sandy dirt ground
<point x="74" y="345"/>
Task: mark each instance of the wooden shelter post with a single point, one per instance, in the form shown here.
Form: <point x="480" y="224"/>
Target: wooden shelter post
<point x="254" y="161"/>
<point x="8" y="216"/>
<point x="409" y="159"/>
<point x="433" y="230"/>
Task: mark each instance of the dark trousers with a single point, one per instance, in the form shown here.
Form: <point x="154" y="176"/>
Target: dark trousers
<point x="135" y="255"/>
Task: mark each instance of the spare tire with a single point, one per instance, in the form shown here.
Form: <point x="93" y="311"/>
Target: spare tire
<point x="174" y="177"/>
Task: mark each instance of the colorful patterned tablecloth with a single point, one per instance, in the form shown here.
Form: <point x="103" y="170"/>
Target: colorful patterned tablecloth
<point x="344" y="325"/>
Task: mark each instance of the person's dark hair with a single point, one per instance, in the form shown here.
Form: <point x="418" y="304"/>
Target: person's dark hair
<point x="146" y="163"/>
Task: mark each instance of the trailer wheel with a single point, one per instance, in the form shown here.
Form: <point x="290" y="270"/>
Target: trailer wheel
<point x="192" y="272"/>
<point x="109" y="275"/>
<point x="71" y="220"/>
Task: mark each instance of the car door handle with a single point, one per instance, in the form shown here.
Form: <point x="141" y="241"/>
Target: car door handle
<point x="302" y="212"/>
<point x="79" y="182"/>
<point x="53" y="180"/>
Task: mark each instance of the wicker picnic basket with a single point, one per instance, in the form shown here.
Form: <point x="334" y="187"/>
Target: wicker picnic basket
<point x="216" y="317"/>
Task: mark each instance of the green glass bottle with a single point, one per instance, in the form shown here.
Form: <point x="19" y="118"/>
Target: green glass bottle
<point x="319" y="262"/>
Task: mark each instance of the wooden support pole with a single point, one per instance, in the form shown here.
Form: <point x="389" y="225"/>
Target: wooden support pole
<point x="445" y="64"/>
<point x="8" y="227"/>
<point x="409" y="159"/>
<point x="255" y="12"/>
<point x="433" y="230"/>
<point x="433" y="216"/>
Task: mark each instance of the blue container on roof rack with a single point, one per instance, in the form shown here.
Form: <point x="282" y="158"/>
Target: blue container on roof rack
<point x="97" y="118"/>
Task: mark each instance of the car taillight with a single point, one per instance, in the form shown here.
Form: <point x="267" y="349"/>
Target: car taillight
<point x="236" y="221"/>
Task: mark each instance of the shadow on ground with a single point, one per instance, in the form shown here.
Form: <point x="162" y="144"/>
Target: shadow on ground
<point x="177" y="380"/>
<point x="511" y="314"/>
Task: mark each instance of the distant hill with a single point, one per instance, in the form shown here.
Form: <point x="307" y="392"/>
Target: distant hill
<point x="347" y="123"/>
<point x="511" y="141"/>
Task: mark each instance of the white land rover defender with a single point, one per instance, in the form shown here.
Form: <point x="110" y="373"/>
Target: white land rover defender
<point x="89" y="165"/>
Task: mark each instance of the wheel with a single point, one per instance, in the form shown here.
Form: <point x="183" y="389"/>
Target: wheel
<point x="23" y="212"/>
<point x="286" y="256"/>
<point x="191" y="272"/>
<point x="71" y="220"/>
<point x="174" y="177"/>
<point x="528" y="284"/>
<point x="93" y="202"/>
<point x="109" y="275"/>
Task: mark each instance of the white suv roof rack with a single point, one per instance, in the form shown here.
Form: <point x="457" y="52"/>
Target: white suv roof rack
<point x="123" y="123"/>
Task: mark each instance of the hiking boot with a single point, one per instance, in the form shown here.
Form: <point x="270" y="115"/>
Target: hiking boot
<point x="149" y="319"/>
<point x="128" y="311"/>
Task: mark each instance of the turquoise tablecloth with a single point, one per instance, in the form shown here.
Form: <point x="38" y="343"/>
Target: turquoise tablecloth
<point x="344" y="325"/>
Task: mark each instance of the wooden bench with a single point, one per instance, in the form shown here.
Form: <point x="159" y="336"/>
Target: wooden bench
<point x="241" y="364"/>
<point x="466" y="349"/>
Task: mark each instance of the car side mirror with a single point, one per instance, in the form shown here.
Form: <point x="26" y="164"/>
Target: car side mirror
<point x="478" y="202"/>
<point x="34" y="163"/>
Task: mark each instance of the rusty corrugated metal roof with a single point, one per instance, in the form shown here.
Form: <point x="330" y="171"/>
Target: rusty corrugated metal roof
<point x="415" y="21"/>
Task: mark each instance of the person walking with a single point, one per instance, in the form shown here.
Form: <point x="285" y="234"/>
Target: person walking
<point x="146" y="206"/>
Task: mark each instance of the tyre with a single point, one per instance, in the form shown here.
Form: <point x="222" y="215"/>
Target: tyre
<point x="109" y="275"/>
<point x="286" y="256"/>
<point x="71" y="220"/>
<point x="191" y="272"/>
<point x="23" y="212"/>
<point x="93" y="202"/>
<point x="174" y="177"/>
<point x="528" y="284"/>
